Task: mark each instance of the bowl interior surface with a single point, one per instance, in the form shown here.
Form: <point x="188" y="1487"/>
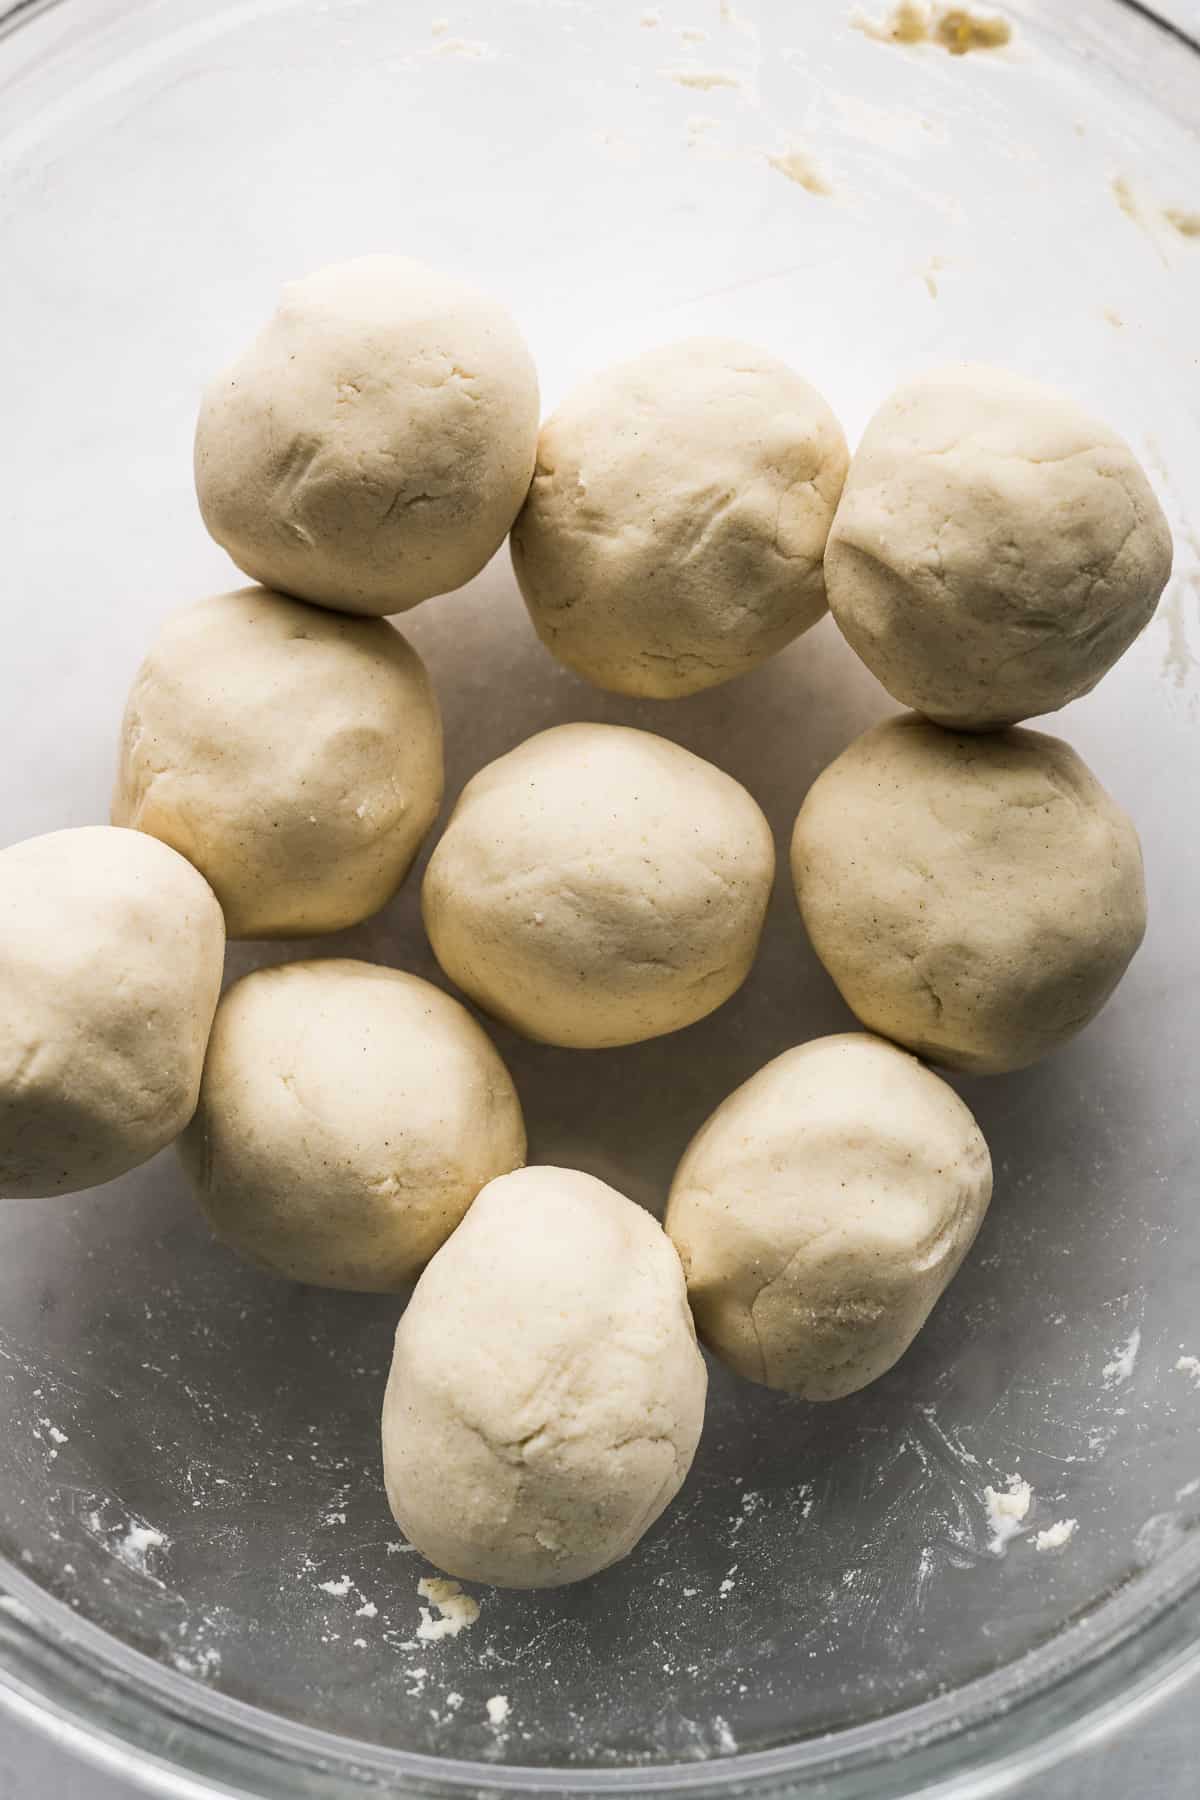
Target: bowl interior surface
<point x="192" y="1459"/>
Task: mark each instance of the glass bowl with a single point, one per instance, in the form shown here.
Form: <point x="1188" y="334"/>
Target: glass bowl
<point x="202" y="1584"/>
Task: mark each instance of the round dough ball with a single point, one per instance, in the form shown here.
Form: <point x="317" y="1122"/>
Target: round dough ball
<point x="674" y="531"/>
<point x="823" y="1209"/>
<point x="111" y="951"/>
<point x="293" y="755"/>
<point x="546" y="1393"/>
<point x="373" y="444"/>
<point x="349" y="1115"/>
<point x="976" y="898"/>
<point x="995" y="551"/>
<point x="598" y="886"/>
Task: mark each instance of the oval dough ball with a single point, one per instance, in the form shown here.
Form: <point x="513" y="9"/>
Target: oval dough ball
<point x="976" y="898"/>
<point x="373" y="444"/>
<point x="823" y="1209"/>
<point x="674" y="532"/>
<point x="111" y="951"/>
<point x="293" y="755"/>
<point x="546" y="1393"/>
<point x="349" y="1115"/>
<point x="598" y="886"/>
<point x="995" y="550"/>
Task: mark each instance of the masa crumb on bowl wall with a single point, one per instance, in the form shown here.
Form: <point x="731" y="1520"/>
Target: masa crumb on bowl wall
<point x="455" y="1610"/>
<point x="1055" y="1536"/>
<point x="1007" y="1507"/>
<point x="956" y="28"/>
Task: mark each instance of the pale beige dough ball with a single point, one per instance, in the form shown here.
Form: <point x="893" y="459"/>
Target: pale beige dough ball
<point x="111" y="950"/>
<point x="294" y="755"/>
<point x="674" y="532"/>
<point x="823" y="1209"/>
<point x="349" y="1115"/>
<point x="598" y="886"/>
<point x="995" y="549"/>
<point x="977" y="898"/>
<point x="371" y="447"/>
<point x="546" y="1392"/>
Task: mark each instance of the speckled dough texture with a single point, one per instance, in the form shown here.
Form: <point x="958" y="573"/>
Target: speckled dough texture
<point x="598" y="886"/>
<point x="348" y="1116"/>
<point x="822" y="1210"/>
<point x="371" y="447"/>
<point x="111" y="950"/>
<point x="977" y="898"/>
<point x="294" y="755"/>
<point x="995" y="549"/>
<point x="546" y="1392"/>
<point x="674" y="533"/>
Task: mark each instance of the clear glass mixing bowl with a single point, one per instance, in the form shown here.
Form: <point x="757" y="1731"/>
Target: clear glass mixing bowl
<point x="202" y="1581"/>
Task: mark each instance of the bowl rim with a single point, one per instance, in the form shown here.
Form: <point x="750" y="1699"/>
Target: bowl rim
<point x="121" y="1712"/>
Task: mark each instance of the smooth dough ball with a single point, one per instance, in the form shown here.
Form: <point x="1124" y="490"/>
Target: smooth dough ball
<point x="292" y="754"/>
<point x="111" y="951"/>
<point x="546" y="1393"/>
<point x="823" y="1209"/>
<point x="674" y="532"/>
<point x="349" y="1115"/>
<point x="977" y="898"/>
<point x="598" y="886"/>
<point x="373" y="444"/>
<point x="995" y="550"/>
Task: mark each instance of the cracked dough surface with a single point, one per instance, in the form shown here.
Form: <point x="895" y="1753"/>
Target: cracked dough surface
<point x="546" y="1392"/>
<point x="292" y="754"/>
<point x="598" y="886"/>
<point x="111" y="949"/>
<point x="995" y="549"/>
<point x="674" y="531"/>
<point x="371" y="447"/>
<point x="821" y="1211"/>
<point x="977" y="898"/>
<point x="348" y="1116"/>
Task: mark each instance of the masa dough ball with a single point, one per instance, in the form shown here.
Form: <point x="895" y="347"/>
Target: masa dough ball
<point x="111" y="950"/>
<point x="598" y="886"/>
<point x="546" y="1392"/>
<point x="294" y="755"/>
<point x="823" y="1209"/>
<point x="349" y="1115"/>
<point x="977" y="898"/>
<point x="995" y="550"/>
<point x="674" y="531"/>
<point x="372" y="445"/>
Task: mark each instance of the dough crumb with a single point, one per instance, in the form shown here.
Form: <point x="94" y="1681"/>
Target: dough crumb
<point x="798" y="166"/>
<point x="339" y="1589"/>
<point x="498" y="1709"/>
<point x="731" y="16"/>
<point x="474" y="48"/>
<point x="703" y="79"/>
<point x="1187" y="224"/>
<point x="455" y="1610"/>
<point x="1124" y="1359"/>
<point x="1006" y="1508"/>
<point x="960" y="30"/>
<point x="933" y="268"/>
<point x="693" y="34"/>
<point x="1056" y="1535"/>
<point x="438" y="27"/>
<point x="368" y="1610"/>
<point x="1189" y="1365"/>
<point x="957" y="29"/>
